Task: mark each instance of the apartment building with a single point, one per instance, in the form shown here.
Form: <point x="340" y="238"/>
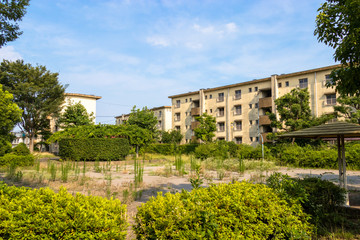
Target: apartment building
<point x="240" y="109"/>
<point x="163" y="114"/>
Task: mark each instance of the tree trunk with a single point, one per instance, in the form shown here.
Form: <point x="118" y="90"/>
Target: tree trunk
<point x="31" y="144"/>
<point x="137" y="151"/>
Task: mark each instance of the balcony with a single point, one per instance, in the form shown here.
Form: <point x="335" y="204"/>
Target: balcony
<point x="195" y="111"/>
<point x="265" y="102"/>
<point x="264" y="137"/>
<point x="194" y="125"/>
<point x="264" y="120"/>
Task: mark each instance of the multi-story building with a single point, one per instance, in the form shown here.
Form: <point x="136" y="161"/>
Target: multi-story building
<point x="163" y="115"/>
<point x="240" y="109"/>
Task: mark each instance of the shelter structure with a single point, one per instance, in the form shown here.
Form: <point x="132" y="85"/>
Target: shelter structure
<point x="336" y="130"/>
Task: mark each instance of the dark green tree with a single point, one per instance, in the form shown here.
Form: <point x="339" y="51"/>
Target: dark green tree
<point x="143" y="118"/>
<point x="36" y="91"/>
<point x="173" y="136"/>
<point x="11" y="11"/>
<point x="205" y="131"/>
<point x="10" y="115"/>
<point x="338" y="26"/>
<point x="75" y="114"/>
<point x="349" y="108"/>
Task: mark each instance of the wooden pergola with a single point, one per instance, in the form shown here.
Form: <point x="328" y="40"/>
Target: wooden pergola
<point x="337" y="130"/>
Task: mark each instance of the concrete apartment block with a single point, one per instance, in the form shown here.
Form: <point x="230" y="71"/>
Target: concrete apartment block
<point x="240" y="109"/>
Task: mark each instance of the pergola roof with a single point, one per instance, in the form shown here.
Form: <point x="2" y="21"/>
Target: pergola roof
<point x="329" y="130"/>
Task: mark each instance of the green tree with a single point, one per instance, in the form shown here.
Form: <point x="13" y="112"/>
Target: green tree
<point x="294" y="112"/>
<point x="36" y="91"/>
<point x="173" y="136"/>
<point x="143" y="118"/>
<point x="349" y="108"/>
<point x="338" y="26"/>
<point x="205" y="131"/>
<point x="10" y="115"/>
<point x="11" y="11"/>
<point x="75" y="114"/>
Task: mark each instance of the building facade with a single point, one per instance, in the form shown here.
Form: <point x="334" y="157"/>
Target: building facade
<point x="163" y="115"/>
<point x="240" y="109"/>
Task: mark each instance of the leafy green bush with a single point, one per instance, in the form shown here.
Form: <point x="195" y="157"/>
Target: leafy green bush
<point x="161" y="148"/>
<point x="204" y="151"/>
<point x="227" y="211"/>
<point x="5" y="146"/>
<point x="352" y="156"/>
<point x="21" y="150"/>
<point x="16" y="160"/>
<point x="188" y="148"/>
<point x="108" y="149"/>
<point x="42" y="214"/>
<point x="245" y="151"/>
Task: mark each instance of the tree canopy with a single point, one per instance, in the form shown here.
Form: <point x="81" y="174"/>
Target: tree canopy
<point x="338" y="26"/>
<point x="349" y="108"/>
<point x="36" y="91"/>
<point x="207" y="127"/>
<point x="173" y="136"/>
<point x="75" y="114"/>
<point x="11" y="11"/>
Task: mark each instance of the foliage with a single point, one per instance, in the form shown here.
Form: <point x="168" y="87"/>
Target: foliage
<point x="11" y="12"/>
<point x="171" y="149"/>
<point x="245" y="151"/>
<point x="294" y="112"/>
<point x="207" y="127"/>
<point x="36" y="91"/>
<point x="16" y="160"/>
<point x="107" y="149"/>
<point x="144" y="118"/>
<point x="204" y="151"/>
<point x="349" y="108"/>
<point x="42" y="214"/>
<point x="5" y="146"/>
<point x="75" y="114"/>
<point x="21" y="149"/>
<point x="337" y="25"/>
<point x="173" y="136"/>
<point x="226" y="211"/>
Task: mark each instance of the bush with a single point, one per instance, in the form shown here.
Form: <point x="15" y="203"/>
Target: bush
<point x="352" y="156"/>
<point x="188" y="148"/>
<point x="5" y="146"/>
<point x="16" y="160"/>
<point x="161" y="148"/>
<point x="107" y="149"/>
<point x="21" y="150"/>
<point x="204" y="151"/>
<point x="245" y="151"/>
<point x="42" y="214"/>
<point x="227" y="211"/>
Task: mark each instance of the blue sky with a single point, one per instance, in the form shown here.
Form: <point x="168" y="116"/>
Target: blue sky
<point x="141" y="52"/>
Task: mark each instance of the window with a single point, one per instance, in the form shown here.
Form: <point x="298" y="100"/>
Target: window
<point x="186" y="113"/>
<point x="287" y="84"/>
<point x="210" y="110"/>
<point x="160" y="113"/>
<point x="279" y="85"/>
<point x="328" y="79"/>
<point x="238" y="140"/>
<point x="237" y="94"/>
<point x="303" y="83"/>
<point x="177" y="105"/>
<point x="221" y="139"/>
<point x="256" y="89"/>
<point x="257" y="122"/>
<point x="250" y="106"/>
<point x="177" y="128"/>
<point x="251" y="139"/>
<point x="185" y="99"/>
<point x="257" y="139"/>
<point x="221" y="127"/>
<point x="250" y="89"/>
<point x="205" y="97"/>
<point x="237" y="125"/>
<point x="221" y="97"/>
<point x="250" y="122"/>
<point x="190" y="100"/>
<point x="159" y="124"/>
<point x="237" y="110"/>
<point x="210" y="96"/>
<point x="331" y="99"/>
<point x="221" y="112"/>
<point x="256" y="105"/>
<point x="177" y="117"/>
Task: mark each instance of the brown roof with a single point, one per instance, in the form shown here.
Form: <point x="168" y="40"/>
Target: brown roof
<point x="308" y="71"/>
<point x="82" y="95"/>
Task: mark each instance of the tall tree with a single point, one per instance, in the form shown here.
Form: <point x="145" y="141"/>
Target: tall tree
<point x="173" y="136"/>
<point x="349" y="108"/>
<point x="338" y="26"/>
<point x="11" y="11"/>
<point x="205" y="131"/>
<point x="10" y="115"/>
<point x="75" y="114"/>
<point x="143" y="118"/>
<point x="36" y="91"/>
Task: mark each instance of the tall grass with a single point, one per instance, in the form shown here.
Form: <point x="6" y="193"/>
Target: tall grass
<point x="138" y="172"/>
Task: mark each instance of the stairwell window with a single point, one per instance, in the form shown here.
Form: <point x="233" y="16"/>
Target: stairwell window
<point x="221" y="97"/>
<point x="221" y="127"/>
<point x="177" y="104"/>
<point x="237" y="125"/>
<point x="303" y="83"/>
<point x="237" y="94"/>
<point x="237" y="110"/>
<point x="221" y="112"/>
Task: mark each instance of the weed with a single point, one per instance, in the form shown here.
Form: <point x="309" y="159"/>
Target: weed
<point x="37" y="165"/>
<point x="11" y="170"/>
<point x="65" y="168"/>
<point x="138" y="172"/>
<point x="18" y="176"/>
<point x="53" y="170"/>
<point x="179" y="165"/>
<point x="197" y="180"/>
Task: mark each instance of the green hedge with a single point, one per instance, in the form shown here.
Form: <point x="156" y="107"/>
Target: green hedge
<point x="171" y="149"/>
<point x="21" y="149"/>
<point x="42" y="214"/>
<point x="104" y="149"/>
<point x="226" y="211"/>
<point x="11" y="158"/>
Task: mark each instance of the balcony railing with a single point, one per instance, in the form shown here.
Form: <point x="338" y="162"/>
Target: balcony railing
<point x="264" y="120"/>
<point x="195" y="111"/>
<point x="265" y="102"/>
<point x="194" y="125"/>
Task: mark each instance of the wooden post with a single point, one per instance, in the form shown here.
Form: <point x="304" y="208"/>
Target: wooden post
<point x="339" y="161"/>
<point x="344" y="169"/>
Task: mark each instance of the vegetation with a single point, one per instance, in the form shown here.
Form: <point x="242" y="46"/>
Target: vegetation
<point x="349" y="108"/>
<point x="21" y="150"/>
<point x="224" y="211"/>
<point x="75" y="114"/>
<point x="42" y="214"/>
<point x="337" y="25"/>
<point x="12" y="11"/>
<point x="16" y="160"/>
<point x="205" y="131"/>
<point x="172" y="136"/>
<point x="36" y="91"/>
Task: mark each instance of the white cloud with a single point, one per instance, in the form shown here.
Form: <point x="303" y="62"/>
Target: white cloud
<point x="9" y="53"/>
<point x="231" y="27"/>
<point x="158" y="41"/>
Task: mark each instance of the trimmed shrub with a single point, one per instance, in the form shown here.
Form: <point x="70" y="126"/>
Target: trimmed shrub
<point x="16" y="160"/>
<point x="227" y="211"/>
<point x="42" y="214"/>
<point x="245" y="151"/>
<point x="5" y="146"/>
<point x="21" y="150"/>
<point x="353" y="156"/>
<point x="91" y="149"/>
<point x="188" y="148"/>
<point x="204" y="151"/>
<point x="161" y="148"/>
